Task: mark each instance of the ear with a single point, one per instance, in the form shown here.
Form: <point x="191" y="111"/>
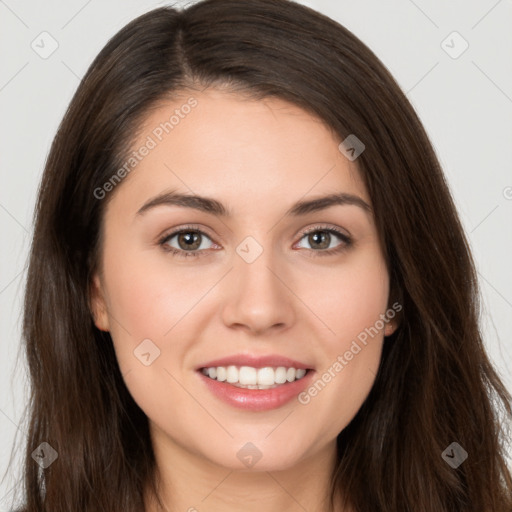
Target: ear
<point x="98" y="305"/>
<point x="391" y="327"/>
<point x="395" y="310"/>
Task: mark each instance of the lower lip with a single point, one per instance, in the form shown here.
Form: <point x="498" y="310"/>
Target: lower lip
<point x="257" y="399"/>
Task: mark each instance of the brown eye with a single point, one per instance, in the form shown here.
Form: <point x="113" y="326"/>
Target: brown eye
<point x="189" y="242"/>
<point x="320" y="240"/>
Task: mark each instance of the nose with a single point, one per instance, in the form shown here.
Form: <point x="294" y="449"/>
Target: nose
<point x="258" y="295"/>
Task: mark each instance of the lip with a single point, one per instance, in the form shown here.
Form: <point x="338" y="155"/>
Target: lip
<point x="257" y="399"/>
<point x="273" y="360"/>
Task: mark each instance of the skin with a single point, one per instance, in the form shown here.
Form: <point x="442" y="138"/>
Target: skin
<point x="257" y="158"/>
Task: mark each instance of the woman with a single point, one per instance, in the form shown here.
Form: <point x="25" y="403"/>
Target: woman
<point x="190" y="345"/>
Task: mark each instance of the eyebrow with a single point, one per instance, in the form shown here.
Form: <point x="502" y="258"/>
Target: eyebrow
<point x="214" y="207"/>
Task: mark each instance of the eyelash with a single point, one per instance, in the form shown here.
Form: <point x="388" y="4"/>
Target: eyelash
<point x="347" y="241"/>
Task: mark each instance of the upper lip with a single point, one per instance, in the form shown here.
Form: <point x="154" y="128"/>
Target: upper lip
<point x="273" y="360"/>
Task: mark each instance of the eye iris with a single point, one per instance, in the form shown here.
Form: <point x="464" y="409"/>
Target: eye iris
<point x="313" y="238"/>
<point x="191" y="240"/>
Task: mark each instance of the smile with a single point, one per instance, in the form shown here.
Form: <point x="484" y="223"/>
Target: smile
<point x="255" y="389"/>
<point x="254" y="378"/>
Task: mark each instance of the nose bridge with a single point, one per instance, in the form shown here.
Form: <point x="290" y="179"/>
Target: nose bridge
<point x="258" y="298"/>
<point x="253" y="263"/>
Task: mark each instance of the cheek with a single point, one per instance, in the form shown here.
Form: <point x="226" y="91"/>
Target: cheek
<point x="147" y="295"/>
<point x="353" y="300"/>
<point x="143" y="305"/>
<point x="348" y="298"/>
<point x="146" y="302"/>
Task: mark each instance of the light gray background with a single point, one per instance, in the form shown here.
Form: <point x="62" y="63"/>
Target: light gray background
<point x="465" y="104"/>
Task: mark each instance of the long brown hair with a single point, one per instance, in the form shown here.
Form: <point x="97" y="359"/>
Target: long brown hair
<point x="435" y="383"/>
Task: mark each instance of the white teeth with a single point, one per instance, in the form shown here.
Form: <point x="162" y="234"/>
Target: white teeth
<point x="231" y="374"/>
<point x="248" y="376"/>
<point x="221" y="373"/>
<point x="266" y="376"/>
<point x="290" y="374"/>
<point x="280" y="375"/>
<point x="254" y="378"/>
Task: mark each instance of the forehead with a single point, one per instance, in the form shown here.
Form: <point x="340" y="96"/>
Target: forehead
<point x="220" y="144"/>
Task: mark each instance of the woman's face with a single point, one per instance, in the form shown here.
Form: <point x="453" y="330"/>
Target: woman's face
<point x="266" y="278"/>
